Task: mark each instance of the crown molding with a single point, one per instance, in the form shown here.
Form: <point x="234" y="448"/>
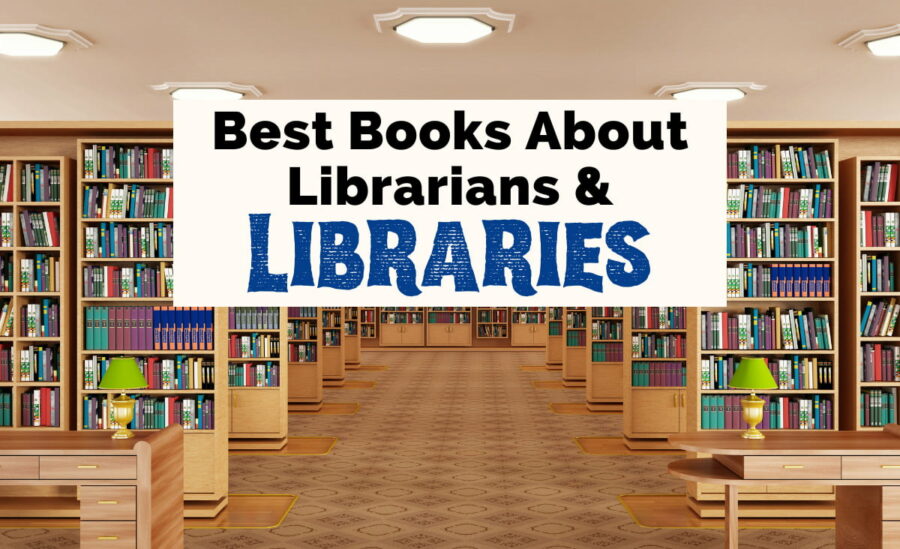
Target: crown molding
<point x="477" y="13"/>
<point x="670" y="89"/>
<point x="245" y="89"/>
<point x="63" y="35"/>
<point x="867" y="35"/>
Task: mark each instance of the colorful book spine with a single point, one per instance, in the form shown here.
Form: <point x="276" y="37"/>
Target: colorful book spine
<point x="795" y="412"/>
<point x="148" y="328"/>
<point x="607" y="352"/>
<point x="253" y="318"/>
<point x="253" y="374"/>
<point x="658" y="374"/>
<point x="195" y="412"/>
<point x="779" y="280"/>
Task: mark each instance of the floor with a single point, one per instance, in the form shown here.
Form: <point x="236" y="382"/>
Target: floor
<point x="454" y="450"/>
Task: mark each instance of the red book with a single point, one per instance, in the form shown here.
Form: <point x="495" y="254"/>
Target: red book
<point x="892" y="183"/>
<point x="54" y="229"/>
<point x="868" y="217"/>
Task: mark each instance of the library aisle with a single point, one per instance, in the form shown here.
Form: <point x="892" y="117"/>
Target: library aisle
<point x="454" y="450"/>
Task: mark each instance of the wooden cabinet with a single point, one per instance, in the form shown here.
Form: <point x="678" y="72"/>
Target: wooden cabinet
<point x="258" y="412"/>
<point x="656" y="410"/>
<point x="528" y="335"/>
<point x="604" y="383"/>
<point x="449" y="335"/>
<point x="402" y="335"/>
<point x="305" y="383"/>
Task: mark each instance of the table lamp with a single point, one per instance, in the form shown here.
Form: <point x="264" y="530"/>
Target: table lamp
<point x="752" y="373"/>
<point x="123" y="373"/>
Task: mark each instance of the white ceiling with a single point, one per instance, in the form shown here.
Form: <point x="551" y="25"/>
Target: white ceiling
<point x="578" y="49"/>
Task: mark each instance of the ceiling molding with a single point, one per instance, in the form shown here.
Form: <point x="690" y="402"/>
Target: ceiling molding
<point x="63" y="35"/>
<point x="477" y="13"/>
<point x="670" y="89"/>
<point x="245" y="89"/>
<point x="867" y="35"/>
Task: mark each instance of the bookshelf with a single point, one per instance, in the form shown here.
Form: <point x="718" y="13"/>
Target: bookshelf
<point x="131" y="287"/>
<point x="603" y="377"/>
<point x="554" y="350"/>
<point x="575" y="352"/>
<point x="351" y="338"/>
<point x="492" y="323"/>
<point x="251" y="346"/>
<point x="528" y="327"/>
<point x="331" y="350"/>
<point x="871" y="372"/>
<point x="764" y="312"/>
<point x="304" y="382"/>
<point x="35" y="370"/>
<point x="660" y="343"/>
<point x="449" y="327"/>
<point x="401" y="327"/>
<point x="368" y="324"/>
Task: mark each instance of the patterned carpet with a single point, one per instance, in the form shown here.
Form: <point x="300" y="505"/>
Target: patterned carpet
<point x="454" y="450"/>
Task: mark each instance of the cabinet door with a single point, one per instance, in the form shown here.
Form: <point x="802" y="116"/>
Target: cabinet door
<point x="539" y="334"/>
<point x="305" y="382"/>
<point x="255" y="411"/>
<point x="520" y="335"/>
<point x="605" y="381"/>
<point x="554" y="350"/>
<point x="438" y="335"/>
<point x="413" y="335"/>
<point x="391" y="335"/>
<point x="656" y="411"/>
<point x="460" y="335"/>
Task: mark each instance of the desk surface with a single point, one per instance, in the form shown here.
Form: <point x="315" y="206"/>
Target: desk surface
<point x="885" y="442"/>
<point x="68" y="442"/>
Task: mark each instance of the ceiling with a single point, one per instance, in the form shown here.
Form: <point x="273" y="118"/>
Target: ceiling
<point x="561" y="49"/>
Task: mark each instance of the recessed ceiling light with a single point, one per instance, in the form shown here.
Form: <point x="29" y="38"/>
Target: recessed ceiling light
<point x="885" y="47"/>
<point x="709" y="91"/>
<point x="883" y="42"/>
<point x="34" y="40"/>
<point x="444" y="25"/>
<point x="207" y="91"/>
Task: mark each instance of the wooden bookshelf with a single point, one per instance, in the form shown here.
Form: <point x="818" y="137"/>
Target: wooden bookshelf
<point x="772" y="501"/>
<point x="576" y="349"/>
<point x="492" y="323"/>
<point x="554" y="351"/>
<point x="449" y="327"/>
<point x="205" y="449"/>
<point x="603" y="377"/>
<point x="47" y="388"/>
<point x="528" y="327"/>
<point x="655" y="381"/>
<point x="331" y="350"/>
<point x="878" y="386"/>
<point x="251" y="346"/>
<point x="351" y="338"/>
<point x="401" y="327"/>
<point x="368" y="324"/>
<point x="304" y="341"/>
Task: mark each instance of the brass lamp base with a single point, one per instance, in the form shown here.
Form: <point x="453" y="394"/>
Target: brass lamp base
<point x="123" y="413"/>
<point x="752" y="407"/>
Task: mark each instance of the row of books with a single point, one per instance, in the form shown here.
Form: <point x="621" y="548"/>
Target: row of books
<point x="6" y="182"/>
<point x="779" y="280"/>
<point x="179" y="372"/>
<point x="153" y="412"/>
<point x="493" y="315"/>
<point x="6" y="272"/>
<point x="555" y="313"/>
<point x="753" y="162"/>
<point x="879" y="318"/>
<point x="367" y="315"/>
<point x="141" y="280"/>
<point x="576" y="319"/>
<point x="606" y="329"/>
<point x="303" y="312"/>
<point x="303" y="329"/>
<point x="127" y="162"/>
<point x="40" y="319"/>
<point x="529" y="318"/>
<point x="254" y="374"/>
<point x="492" y="330"/>
<point x="253" y="346"/>
<point x="40" y="407"/>
<point x="812" y="412"/>
<point x="129" y="202"/>
<point x="879" y="362"/>
<point x="331" y="338"/>
<point x="350" y="327"/>
<point x="401" y="318"/>
<point x="39" y="363"/>
<point x="302" y="352"/>
<point x="608" y="351"/>
<point x="253" y="318"/>
<point x="879" y="182"/>
<point x="331" y="318"/>
<point x="6" y="362"/>
<point x="449" y="318"/>
<point x="39" y="273"/>
<point x="876" y="273"/>
<point x="128" y="240"/>
<point x="749" y="201"/>
<point x="777" y="240"/>
<point x="7" y="239"/>
<point x="575" y="338"/>
<point x="659" y="318"/>
<point x="6" y="405"/>
<point x="367" y="331"/>
<point x="791" y="373"/>
<point x="659" y="346"/>
<point x="6" y="319"/>
<point x="40" y="229"/>
<point x="805" y="163"/>
<point x="877" y="407"/>
<point x="767" y="330"/>
<point x="40" y="182"/>
<point x="658" y="374"/>
<point x="148" y="328"/>
<point x="878" y="229"/>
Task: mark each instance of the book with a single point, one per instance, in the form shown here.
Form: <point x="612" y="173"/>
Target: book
<point x="6" y="182"/>
<point x="39" y="182"/>
<point x="878" y="407"/>
<point x="39" y="273"/>
<point x="879" y="182"/>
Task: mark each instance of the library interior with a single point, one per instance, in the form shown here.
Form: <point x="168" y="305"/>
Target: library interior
<point x="771" y="421"/>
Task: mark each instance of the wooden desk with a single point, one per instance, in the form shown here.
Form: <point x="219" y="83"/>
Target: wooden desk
<point x="863" y="466"/>
<point x="131" y="491"/>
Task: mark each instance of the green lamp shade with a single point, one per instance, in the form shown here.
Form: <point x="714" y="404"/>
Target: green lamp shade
<point x="752" y="373"/>
<point x="123" y="373"/>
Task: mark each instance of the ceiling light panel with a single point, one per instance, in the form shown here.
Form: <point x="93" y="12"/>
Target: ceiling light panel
<point x="444" y="30"/>
<point x="207" y="91"/>
<point x="33" y="40"/>
<point x="709" y="91"/>
<point x="205" y="94"/>
<point x="710" y="94"/>
<point x="885" y="47"/>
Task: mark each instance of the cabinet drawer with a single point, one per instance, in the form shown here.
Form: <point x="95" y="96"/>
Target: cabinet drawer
<point x="18" y="467"/>
<point x="792" y="467"/>
<point x="870" y="467"/>
<point x="99" y="534"/>
<point x="108" y="503"/>
<point x="88" y="467"/>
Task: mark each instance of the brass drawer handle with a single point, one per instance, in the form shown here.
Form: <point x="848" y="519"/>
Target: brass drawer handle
<point x="107" y="538"/>
<point x="890" y="466"/>
<point x="88" y="466"/>
<point x="107" y="502"/>
<point x="794" y="466"/>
